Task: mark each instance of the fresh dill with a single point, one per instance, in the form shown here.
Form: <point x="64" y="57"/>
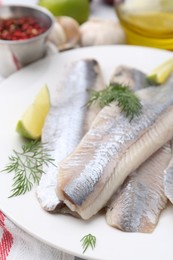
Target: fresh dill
<point x="125" y="98"/>
<point x="27" y="166"/>
<point x="88" y="241"/>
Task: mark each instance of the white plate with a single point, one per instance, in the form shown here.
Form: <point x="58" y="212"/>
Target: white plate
<point x="65" y="232"/>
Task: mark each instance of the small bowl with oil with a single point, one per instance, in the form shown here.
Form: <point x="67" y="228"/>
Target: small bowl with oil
<point x="146" y="22"/>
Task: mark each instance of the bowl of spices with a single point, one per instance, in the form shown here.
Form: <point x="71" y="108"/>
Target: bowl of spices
<point x="23" y="35"/>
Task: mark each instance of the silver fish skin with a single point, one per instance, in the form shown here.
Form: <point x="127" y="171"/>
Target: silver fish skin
<point x="112" y="149"/>
<point x="134" y="79"/>
<point x="131" y="77"/>
<point x="168" y="179"/>
<point x="137" y="205"/>
<point x="66" y="123"/>
<point x="130" y="209"/>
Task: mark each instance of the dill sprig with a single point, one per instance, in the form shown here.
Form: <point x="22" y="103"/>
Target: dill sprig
<point x="88" y="241"/>
<point x="125" y="98"/>
<point x="27" y="166"/>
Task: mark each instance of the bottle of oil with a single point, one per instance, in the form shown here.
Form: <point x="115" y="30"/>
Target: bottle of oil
<point x="146" y="22"/>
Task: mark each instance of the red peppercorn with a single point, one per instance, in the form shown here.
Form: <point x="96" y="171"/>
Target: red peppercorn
<point x="20" y="28"/>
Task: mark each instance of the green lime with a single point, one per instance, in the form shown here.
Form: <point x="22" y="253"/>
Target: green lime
<point x="32" y="121"/>
<point x="78" y="9"/>
<point x="160" y="74"/>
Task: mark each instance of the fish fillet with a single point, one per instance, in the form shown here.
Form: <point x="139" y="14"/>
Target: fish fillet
<point x="136" y="207"/>
<point x="133" y="78"/>
<point x="112" y="149"/>
<point x="66" y="123"/>
<point x="168" y="180"/>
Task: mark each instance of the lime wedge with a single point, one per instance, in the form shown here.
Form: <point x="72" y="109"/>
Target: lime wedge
<point x="32" y="121"/>
<point x="160" y="74"/>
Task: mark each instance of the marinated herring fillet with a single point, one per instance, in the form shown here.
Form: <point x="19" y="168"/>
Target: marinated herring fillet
<point x="137" y="205"/>
<point x="112" y="149"/>
<point x="121" y="75"/>
<point x="66" y="123"/>
<point x="133" y="78"/>
<point x="168" y="180"/>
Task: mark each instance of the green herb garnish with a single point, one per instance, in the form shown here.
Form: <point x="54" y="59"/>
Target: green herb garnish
<point x="88" y="241"/>
<point x="125" y="98"/>
<point x="27" y="166"/>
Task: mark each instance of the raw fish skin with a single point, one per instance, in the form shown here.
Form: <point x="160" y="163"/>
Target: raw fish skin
<point x="112" y="149"/>
<point x="129" y="208"/>
<point x="131" y="77"/>
<point x="137" y="205"/>
<point x="135" y="79"/>
<point x="168" y="180"/>
<point x="66" y="122"/>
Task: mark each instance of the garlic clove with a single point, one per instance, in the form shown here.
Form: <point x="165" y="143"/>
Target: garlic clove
<point x="101" y="32"/>
<point x="57" y="35"/>
<point x="70" y="26"/>
<point x="71" y="30"/>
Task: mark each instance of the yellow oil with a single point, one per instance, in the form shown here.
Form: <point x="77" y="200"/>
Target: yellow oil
<point x="154" y="29"/>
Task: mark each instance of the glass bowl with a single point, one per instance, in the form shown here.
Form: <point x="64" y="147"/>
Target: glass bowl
<point x="146" y="22"/>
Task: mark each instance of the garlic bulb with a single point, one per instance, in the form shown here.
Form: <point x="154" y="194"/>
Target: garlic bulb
<point x="65" y="33"/>
<point x="101" y="32"/>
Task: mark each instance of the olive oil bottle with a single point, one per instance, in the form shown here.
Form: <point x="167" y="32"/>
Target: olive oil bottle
<point x="146" y="22"/>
